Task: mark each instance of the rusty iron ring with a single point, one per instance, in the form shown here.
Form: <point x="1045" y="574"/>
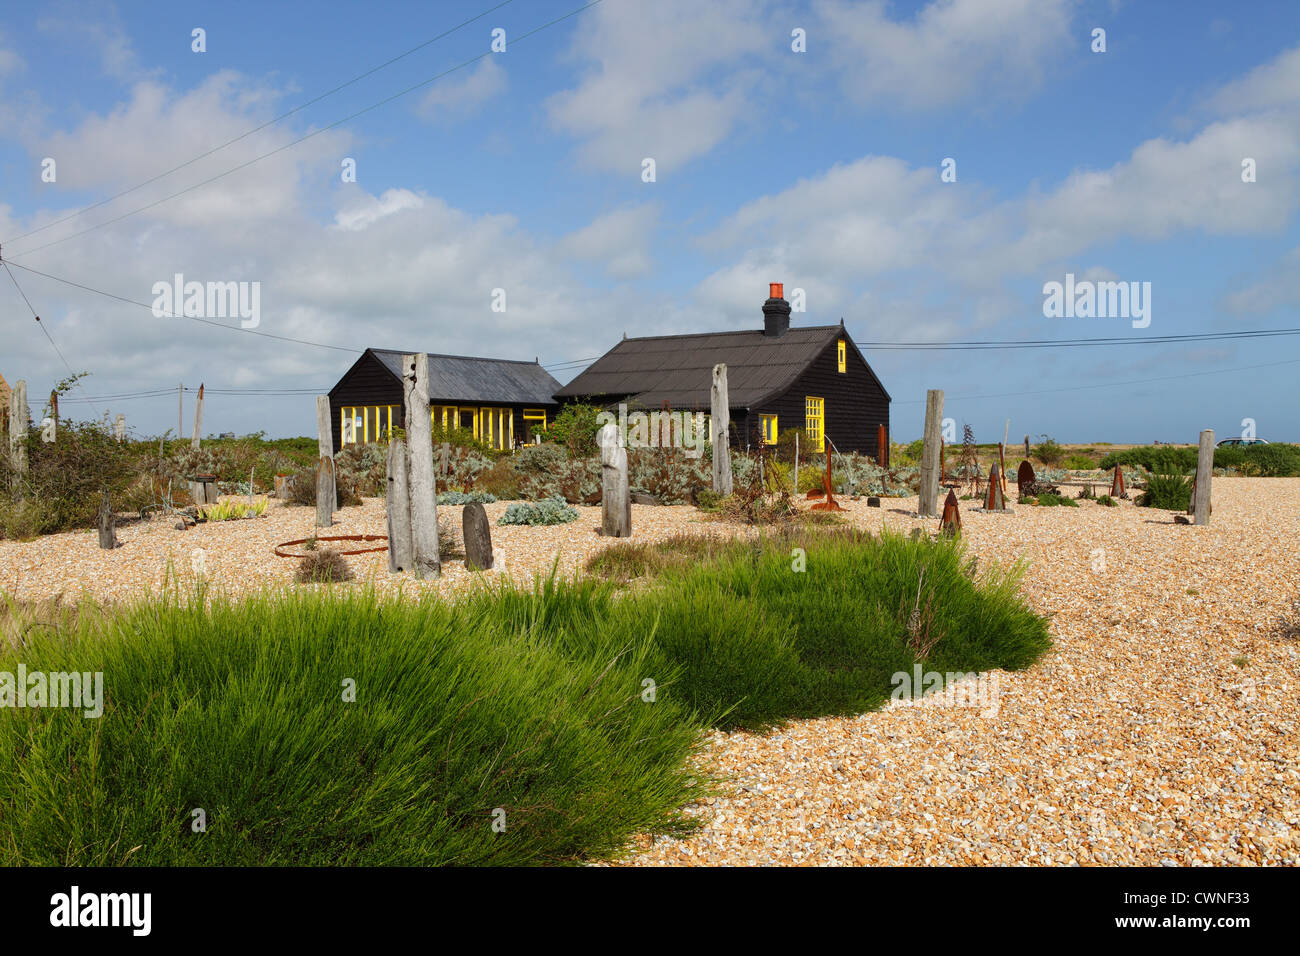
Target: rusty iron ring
<point x="343" y="537"/>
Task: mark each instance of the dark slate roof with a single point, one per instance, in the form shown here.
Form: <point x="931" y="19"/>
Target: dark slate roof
<point x="678" y="369"/>
<point x="466" y="379"/>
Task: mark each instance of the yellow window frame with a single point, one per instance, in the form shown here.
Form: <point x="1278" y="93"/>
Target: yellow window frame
<point x="768" y="425"/>
<point x="533" y="415"/>
<point x="815" y="420"/>
<point x="841" y="355"/>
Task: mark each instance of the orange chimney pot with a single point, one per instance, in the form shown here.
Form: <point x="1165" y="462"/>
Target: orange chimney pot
<point x="777" y="290"/>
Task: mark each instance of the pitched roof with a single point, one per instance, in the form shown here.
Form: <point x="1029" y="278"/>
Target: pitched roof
<point x="469" y="379"/>
<point x="678" y="369"/>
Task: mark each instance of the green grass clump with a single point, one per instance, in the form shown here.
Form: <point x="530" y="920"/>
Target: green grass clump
<point x="1170" y="492"/>
<point x="234" y="510"/>
<point x="1108" y="501"/>
<point x="240" y="709"/>
<point x="825" y="640"/>
<point x="329" y="727"/>
<point x="1079" y="463"/>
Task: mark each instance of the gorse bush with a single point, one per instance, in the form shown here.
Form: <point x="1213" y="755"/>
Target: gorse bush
<point x="323" y="566"/>
<point x="547" y="511"/>
<point x="1049" y="452"/>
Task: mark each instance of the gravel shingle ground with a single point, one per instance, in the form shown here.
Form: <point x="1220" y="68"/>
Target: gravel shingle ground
<point x="1162" y="729"/>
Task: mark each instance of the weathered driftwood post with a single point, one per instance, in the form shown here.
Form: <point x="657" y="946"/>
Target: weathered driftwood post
<point x="1026" y="446"/>
<point x="419" y="432"/>
<point x="615" y="501"/>
<point x="198" y="419"/>
<point x="882" y="446"/>
<point x="1204" y="471"/>
<point x="107" y="534"/>
<point x="18" y="435"/>
<point x="721" y="432"/>
<point x="477" y="533"/>
<point x="119" y="427"/>
<point x="927" y="505"/>
<point x="325" y="500"/>
<point x="397" y="507"/>
<point x="1002" y="462"/>
<point x="325" y="439"/>
<point x="943" y="468"/>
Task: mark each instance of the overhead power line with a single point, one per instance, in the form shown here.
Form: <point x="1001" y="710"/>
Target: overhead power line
<point x="302" y="139"/>
<point x="258" y="129"/>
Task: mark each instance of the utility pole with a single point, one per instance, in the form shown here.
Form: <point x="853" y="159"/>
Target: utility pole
<point x="180" y="411"/>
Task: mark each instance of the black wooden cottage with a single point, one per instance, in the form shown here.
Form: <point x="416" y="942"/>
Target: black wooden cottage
<point x="501" y="401"/>
<point x="778" y="378"/>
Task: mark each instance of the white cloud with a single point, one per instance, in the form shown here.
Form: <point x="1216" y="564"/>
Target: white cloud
<point x="952" y="51"/>
<point x="459" y="95"/>
<point x="619" y="240"/>
<point x="1271" y="85"/>
<point x="1278" y="287"/>
<point x="98" y="26"/>
<point x="646" y="92"/>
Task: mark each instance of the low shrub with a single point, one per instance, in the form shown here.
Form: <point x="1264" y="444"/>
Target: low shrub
<point x="1049" y="500"/>
<point x="1049" y="452"/>
<point x="1079" y="463"/>
<point x="323" y="566"/>
<point x="545" y="512"/>
<point x="302" y="490"/>
<point x="1107" y="501"/>
<point x="501" y="480"/>
<point x="463" y="498"/>
<point x="1170" y="492"/>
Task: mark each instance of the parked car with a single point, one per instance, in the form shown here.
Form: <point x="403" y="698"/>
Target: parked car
<point x="1232" y="442"/>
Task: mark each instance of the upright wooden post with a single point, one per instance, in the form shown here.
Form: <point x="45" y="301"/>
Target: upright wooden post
<point x="721" y="432"/>
<point x="325" y="442"/>
<point x="882" y="446"/>
<point x="1002" y="461"/>
<point x="928" y="503"/>
<point x="18" y="413"/>
<point x="180" y="411"/>
<point x="943" y="468"/>
<point x="1026" y="448"/>
<point x="615" y="499"/>
<point x="795" y="489"/>
<point x="1204" y="472"/>
<point x="119" y="427"/>
<point x="325" y="499"/>
<point x="107" y="534"/>
<point x="198" y="419"/>
<point x="397" y="507"/>
<point x="419" y="432"/>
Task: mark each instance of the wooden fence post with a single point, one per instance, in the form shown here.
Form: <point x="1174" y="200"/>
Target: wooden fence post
<point x="18" y="413"/>
<point x="615" y="500"/>
<point x="198" y="419"/>
<point x="882" y="446"/>
<point x="397" y="507"/>
<point x="119" y="427"/>
<point x="721" y="432"/>
<point x="419" y="432"/>
<point x="927" y="504"/>
<point x="325" y="499"/>
<point x="1026" y="448"/>
<point x="1204" y="472"/>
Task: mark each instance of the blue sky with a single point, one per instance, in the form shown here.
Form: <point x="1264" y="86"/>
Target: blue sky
<point x="523" y="171"/>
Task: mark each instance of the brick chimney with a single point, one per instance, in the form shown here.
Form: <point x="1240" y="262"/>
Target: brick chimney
<point x="776" y="312"/>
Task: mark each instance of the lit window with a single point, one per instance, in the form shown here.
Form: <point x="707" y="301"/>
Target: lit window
<point x="769" y="429"/>
<point x="814" y="421"/>
<point x="841" y="354"/>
